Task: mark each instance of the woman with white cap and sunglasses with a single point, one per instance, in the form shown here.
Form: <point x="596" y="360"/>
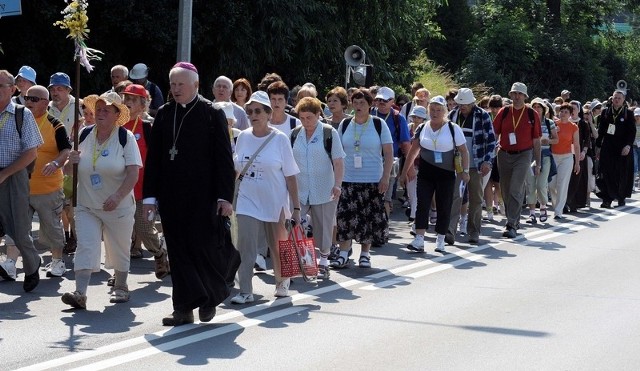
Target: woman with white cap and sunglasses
<point x="266" y="186"/>
<point x="108" y="162"/>
<point x="436" y="143"/>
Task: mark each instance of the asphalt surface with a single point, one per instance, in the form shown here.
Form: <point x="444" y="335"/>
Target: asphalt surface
<point x="559" y="296"/>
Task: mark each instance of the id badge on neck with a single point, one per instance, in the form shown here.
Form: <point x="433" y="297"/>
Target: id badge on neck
<point x="357" y="161"/>
<point x="437" y="157"/>
<point x="96" y="181"/>
<point x="611" y="129"/>
<point x="512" y="139"/>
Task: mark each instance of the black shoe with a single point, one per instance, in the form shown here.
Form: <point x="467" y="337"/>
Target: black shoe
<point x="558" y="217"/>
<point x="606" y="205"/>
<point x="474" y="240"/>
<point x="178" y="318"/>
<point x="206" y="314"/>
<point x="32" y="280"/>
<point x="621" y="203"/>
<point x="510" y="232"/>
<point x="449" y="239"/>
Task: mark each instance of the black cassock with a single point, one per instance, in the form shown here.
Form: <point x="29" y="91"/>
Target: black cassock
<point x="188" y="188"/>
<point x="615" y="172"/>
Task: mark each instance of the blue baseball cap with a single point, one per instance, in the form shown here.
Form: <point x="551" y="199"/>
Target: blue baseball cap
<point x="28" y="73"/>
<point x="60" y="78"/>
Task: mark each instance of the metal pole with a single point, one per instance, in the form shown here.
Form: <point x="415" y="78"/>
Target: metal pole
<point x="185" y="15"/>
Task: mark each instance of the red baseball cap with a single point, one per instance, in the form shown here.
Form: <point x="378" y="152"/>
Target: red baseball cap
<point x="135" y="89"/>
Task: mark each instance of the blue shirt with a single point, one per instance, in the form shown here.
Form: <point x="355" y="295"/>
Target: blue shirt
<point x="403" y="136"/>
<point x="370" y="150"/>
<point x="316" y="178"/>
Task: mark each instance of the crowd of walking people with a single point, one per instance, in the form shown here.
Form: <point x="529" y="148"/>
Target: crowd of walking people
<point x="251" y="160"/>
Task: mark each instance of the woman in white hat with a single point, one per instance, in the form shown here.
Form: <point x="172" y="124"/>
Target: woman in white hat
<point x="108" y="162"/>
<point x="436" y="143"/>
<point x="266" y="186"/>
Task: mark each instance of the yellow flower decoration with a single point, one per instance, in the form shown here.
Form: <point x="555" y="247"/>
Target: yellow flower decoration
<point x="75" y="20"/>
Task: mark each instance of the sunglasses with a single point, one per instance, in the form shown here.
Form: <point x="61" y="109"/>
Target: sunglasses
<point x="257" y="111"/>
<point x="384" y="100"/>
<point x="33" y="99"/>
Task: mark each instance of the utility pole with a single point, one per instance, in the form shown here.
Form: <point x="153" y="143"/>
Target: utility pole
<point x="184" y="30"/>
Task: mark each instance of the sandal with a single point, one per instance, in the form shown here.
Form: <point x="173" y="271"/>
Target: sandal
<point x="543" y="215"/>
<point x="111" y="281"/>
<point x="323" y="272"/>
<point x="339" y="262"/>
<point x="120" y="295"/>
<point x="364" y="261"/>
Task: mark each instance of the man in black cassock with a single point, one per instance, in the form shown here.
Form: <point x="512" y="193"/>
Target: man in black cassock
<point x="616" y="134"/>
<point x="189" y="172"/>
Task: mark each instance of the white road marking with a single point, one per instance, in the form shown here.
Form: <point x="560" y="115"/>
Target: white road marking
<point x="432" y="266"/>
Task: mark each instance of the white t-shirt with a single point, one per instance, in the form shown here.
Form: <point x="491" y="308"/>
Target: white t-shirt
<point x="110" y="164"/>
<point x="263" y="190"/>
<point x="66" y="115"/>
<point x="440" y="140"/>
<point x="285" y="126"/>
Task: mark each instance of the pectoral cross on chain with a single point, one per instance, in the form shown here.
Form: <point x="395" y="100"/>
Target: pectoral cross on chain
<point x="173" y="152"/>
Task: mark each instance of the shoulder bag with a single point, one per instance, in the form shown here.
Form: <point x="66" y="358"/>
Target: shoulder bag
<point x="246" y="167"/>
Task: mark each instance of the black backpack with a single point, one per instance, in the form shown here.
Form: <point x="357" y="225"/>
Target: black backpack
<point x="377" y="123"/>
<point x="19" y="121"/>
<point x="327" y="138"/>
<point x="122" y="135"/>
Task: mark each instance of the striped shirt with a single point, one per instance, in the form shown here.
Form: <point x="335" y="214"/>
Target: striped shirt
<point x="484" y="139"/>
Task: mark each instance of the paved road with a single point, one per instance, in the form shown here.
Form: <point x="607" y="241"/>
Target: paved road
<point x="560" y="297"/>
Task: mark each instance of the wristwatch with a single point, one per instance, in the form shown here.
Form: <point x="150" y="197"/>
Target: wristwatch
<point x="466" y="171"/>
<point x="55" y="163"/>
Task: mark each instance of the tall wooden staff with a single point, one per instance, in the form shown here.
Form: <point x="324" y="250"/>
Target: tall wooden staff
<point x="75" y="20"/>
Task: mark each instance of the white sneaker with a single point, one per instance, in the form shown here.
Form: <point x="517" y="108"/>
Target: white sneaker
<point x="463" y="225"/>
<point x="413" y="229"/>
<point x="417" y="244"/>
<point x="8" y="270"/>
<point x="242" y="298"/>
<point x="261" y="263"/>
<point x="440" y="245"/>
<point x="489" y="216"/>
<point x="56" y="268"/>
<point x="282" y="288"/>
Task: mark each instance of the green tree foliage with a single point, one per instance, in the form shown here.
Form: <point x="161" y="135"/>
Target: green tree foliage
<point x="517" y="40"/>
<point x="303" y="40"/>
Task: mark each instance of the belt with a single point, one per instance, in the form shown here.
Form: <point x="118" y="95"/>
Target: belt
<point x="516" y="152"/>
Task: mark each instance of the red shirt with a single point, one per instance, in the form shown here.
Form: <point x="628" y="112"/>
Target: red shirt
<point x="136" y="127"/>
<point x="517" y="121"/>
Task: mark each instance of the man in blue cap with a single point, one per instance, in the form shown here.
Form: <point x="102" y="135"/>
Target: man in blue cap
<point x="62" y="107"/>
<point x="26" y="78"/>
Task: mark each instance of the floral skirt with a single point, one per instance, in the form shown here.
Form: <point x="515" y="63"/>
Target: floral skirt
<point x="361" y="215"/>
